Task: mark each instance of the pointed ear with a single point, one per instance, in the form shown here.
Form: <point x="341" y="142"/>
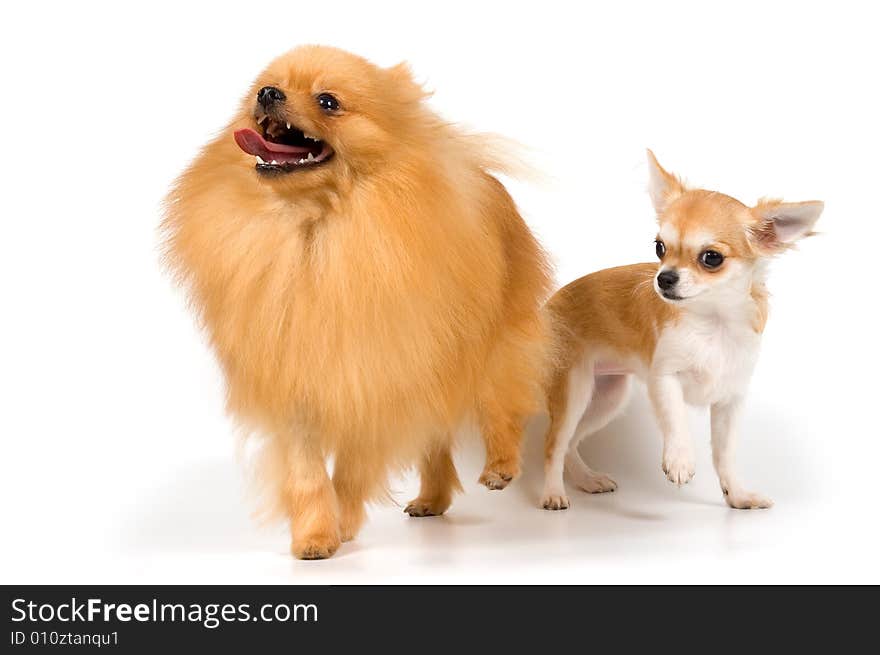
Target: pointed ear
<point x="401" y="71"/>
<point x="782" y="223"/>
<point x="663" y="187"/>
<point x="401" y="77"/>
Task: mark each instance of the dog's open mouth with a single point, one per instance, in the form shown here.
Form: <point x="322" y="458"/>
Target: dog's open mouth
<point x="282" y="147"/>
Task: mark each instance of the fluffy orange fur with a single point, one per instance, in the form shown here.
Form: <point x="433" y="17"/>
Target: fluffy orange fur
<point x="366" y="307"/>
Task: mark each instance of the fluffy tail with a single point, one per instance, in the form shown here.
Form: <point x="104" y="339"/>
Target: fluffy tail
<point x="499" y="154"/>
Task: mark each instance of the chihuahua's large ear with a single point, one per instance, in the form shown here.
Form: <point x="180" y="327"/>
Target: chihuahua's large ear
<point x="663" y="187"/>
<point x="780" y="224"/>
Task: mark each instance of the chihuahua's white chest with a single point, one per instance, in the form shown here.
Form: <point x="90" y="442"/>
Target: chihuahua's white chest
<point x="712" y="357"/>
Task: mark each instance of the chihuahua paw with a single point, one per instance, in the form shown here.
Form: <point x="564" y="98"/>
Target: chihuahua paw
<point x="679" y="467"/>
<point x="555" y="501"/>
<point x="594" y="483"/>
<point x="739" y="499"/>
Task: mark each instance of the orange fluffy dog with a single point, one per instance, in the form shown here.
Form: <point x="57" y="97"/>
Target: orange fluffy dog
<point x="367" y="285"/>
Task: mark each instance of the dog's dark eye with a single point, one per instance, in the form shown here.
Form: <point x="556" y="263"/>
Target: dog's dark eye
<point x="659" y="248"/>
<point x="711" y="258"/>
<point x="328" y="102"/>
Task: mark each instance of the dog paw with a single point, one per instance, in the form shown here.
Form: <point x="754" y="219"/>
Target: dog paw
<point x="595" y="483"/>
<point x="315" y="547"/>
<point x="746" y="500"/>
<point x="554" y="501"/>
<point x="679" y="467"/>
<point x="425" y="507"/>
<point x="498" y="475"/>
<point x="350" y="523"/>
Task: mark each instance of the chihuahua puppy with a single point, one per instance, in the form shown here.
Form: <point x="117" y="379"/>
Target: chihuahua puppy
<point x="690" y="328"/>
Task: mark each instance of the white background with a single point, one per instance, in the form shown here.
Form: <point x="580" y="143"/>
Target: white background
<point x="118" y="464"/>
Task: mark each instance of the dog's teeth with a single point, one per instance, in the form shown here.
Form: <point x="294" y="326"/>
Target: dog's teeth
<point x="288" y="126"/>
<point x="311" y="157"/>
<point x="260" y="160"/>
<point x="274" y="163"/>
<point x="302" y="161"/>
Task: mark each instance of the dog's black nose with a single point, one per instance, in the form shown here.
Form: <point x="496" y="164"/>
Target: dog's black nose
<point x="269" y="95"/>
<point x="667" y="279"/>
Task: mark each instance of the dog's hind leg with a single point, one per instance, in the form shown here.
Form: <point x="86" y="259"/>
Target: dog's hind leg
<point x="568" y="400"/>
<point x="609" y="396"/>
<point x="439" y="481"/>
<point x="502" y="434"/>
<point x="511" y="392"/>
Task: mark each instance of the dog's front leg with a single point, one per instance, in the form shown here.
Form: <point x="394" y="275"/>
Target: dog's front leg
<point x="667" y="399"/>
<point x="725" y="422"/>
<point x="439" y="481"/>
<point x="312" y="506"/>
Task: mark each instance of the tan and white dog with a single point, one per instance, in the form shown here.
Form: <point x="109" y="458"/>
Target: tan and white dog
<point x="690" y="328"/>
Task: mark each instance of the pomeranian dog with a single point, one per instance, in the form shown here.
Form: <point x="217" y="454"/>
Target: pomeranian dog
<point x="368" y="287"/>
<point x="690" y="328"/>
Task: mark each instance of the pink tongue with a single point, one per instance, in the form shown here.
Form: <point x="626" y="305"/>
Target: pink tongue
<point x="254" y="144"/>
